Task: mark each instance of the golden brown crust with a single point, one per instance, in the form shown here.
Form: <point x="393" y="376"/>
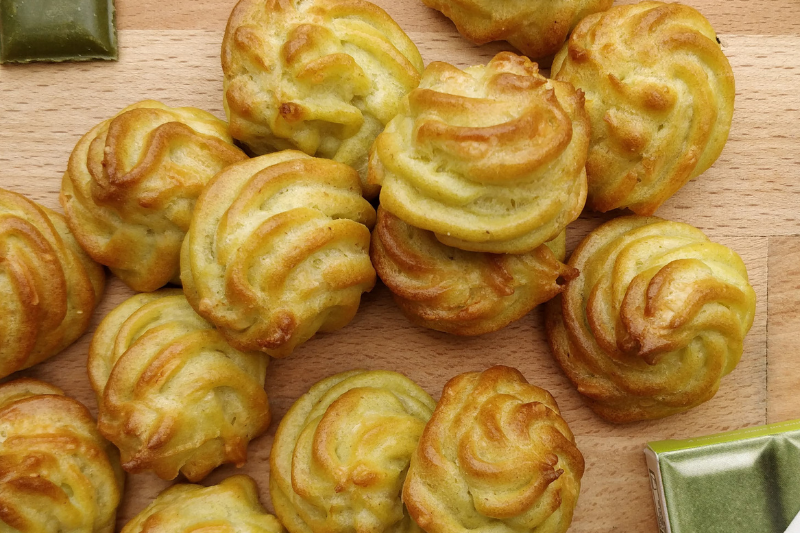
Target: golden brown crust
<point x="57" y="474"/>
<point x="341" y="452"/>
<point x="48" y="286"/>
<point x="537" y="28"/>
<point x="464" y="293"/>
<point x="491" y="159"/>
<point x="279" y="250"/>
<point x="321" y="76"/>
<point x="495" y="456"/>
<point x="660" y="95"/>
<point x="232" y="506"/>
<point x="131" y="184"/>
<point x="172" y="394"/>
<point x="655" y="319"/>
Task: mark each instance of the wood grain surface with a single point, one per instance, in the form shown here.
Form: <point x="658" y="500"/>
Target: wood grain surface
<point x="750" y="201"/>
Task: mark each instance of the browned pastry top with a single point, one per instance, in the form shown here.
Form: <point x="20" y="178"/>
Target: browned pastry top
<point x="49" y="287"/>
<point x="495" y="456"/>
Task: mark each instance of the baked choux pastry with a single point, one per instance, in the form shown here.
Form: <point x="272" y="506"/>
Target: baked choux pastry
<point x="231" y="506"/>
<point x="321" y="76"/>
<point x="659" y="92"/>
<point x="495" y="456"/>
<point x="537" y="28"/>
<point x="172" y="394"/>
<point x="490" y="159"/>
<point x="341" y="452"/>
<point x="57" y="474"/>
<point x="49" y="287"/>
<point x="279" y="250"/>
<point x="655" y="319"/>
<point x="464" y="293"/>
<point x="132" y="182"/>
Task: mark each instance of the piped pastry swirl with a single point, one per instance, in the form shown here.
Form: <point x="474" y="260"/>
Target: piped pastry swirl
<point x="655" y="319"/>
<point x="132" y="182"/>
<point x="321" y="76"/>
<point x="341" y="452"/>
<point x="490" y="159"/>
<point x="173" y="395"/>
<point x="660" y="94"/>
<point x="495" y="456"/>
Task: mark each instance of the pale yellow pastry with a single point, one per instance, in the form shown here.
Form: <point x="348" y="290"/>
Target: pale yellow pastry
<point x="537" y="28"/>
<point x="172" y="394"/>
<point x="57" y="474"/>
<point x="659" y="91"/>
<point x="655" y="319"/>
<point x="490" y="159"/>
<point x="132" y="182"/>
<point x="341" y="452"/>
<point x="229" y="507"/>
<point x="321" y="76"/>
<point x="279" y="250"/>
<point x="464" y="293"/>
<point x="495" y="457"/>
<point x="48" y="286"/>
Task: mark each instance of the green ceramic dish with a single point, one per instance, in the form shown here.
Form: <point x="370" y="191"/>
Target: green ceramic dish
<point x="57" y="30"/>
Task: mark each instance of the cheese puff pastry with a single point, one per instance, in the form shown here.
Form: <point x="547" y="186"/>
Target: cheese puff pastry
<point x="49" y="287"/>
<point x="464" y="293"/>
<point x="537" y="28"/>
<point x="495" y="457"/>
<point x="655" y="319"/>
<point x="173" y="395"/>
<point x="132" y="182"/>
<point x="57" y="474"/>
<point x="490" y="159"/>
<point x="279" y="250"/>
<point x="229" y="507"/>
<point x="660" y="94"/>
<point x="341" y="453"/>
<point x="321" y="76"/>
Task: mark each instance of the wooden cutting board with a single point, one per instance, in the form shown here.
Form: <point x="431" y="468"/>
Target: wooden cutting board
<point x="750" y="201"/>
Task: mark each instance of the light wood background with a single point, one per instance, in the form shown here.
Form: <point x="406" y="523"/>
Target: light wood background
<point x="750" y="200"/>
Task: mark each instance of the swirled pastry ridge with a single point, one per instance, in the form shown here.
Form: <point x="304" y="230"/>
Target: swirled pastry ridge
<point x="232" y="506"/>
<point x="132" y="182"/>
<point x="536" y="28"/>
<point x="660" y="94"/>
<point x="490" y="159"/>
<point x="341" y="453"/>
<point x="49" y="287"/>
<point x="655" y="319"/>
<point x="464" y="293"/>
<point x="57" y="474"/>
<point x="279" y="250"/>
<point x="172" y="394"/>
<point x="496" y="456"/>
<point x="321" y="76"/>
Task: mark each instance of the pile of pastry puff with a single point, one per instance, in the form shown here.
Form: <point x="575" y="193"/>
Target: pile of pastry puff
<point x="476" y="174"/>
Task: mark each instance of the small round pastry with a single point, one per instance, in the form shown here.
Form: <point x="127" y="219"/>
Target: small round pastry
<point x="464" y="293"/>
<point x="537" y="28"/>
<point x="660" y="94"/>
<point x="490" y="159"/>
<point x="321" y="76"/>
<point x="57" y="474"/>
<point x="49" y="287"/>
<point x="132" y="182"/>
<point x="230" y="507"/>
<point x="341" y="452"/>
<point x="496" y="456"/>
<point x="279" y="250"/>
<point x="172" y="394"/>
<point x="655" y="319"/>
